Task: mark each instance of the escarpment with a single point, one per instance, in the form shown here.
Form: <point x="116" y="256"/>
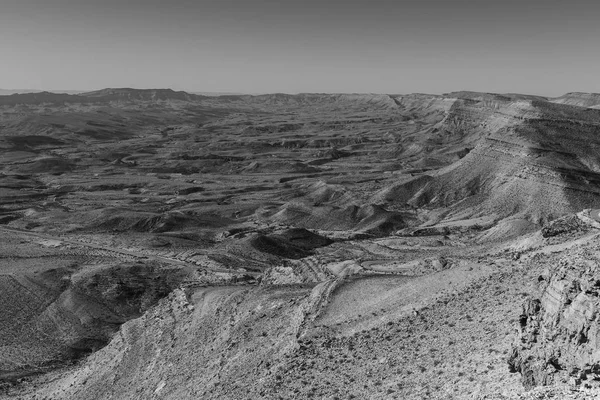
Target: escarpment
<point x="559" y="333"/>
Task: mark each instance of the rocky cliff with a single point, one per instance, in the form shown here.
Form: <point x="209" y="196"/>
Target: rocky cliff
<point x="559" y="335"/>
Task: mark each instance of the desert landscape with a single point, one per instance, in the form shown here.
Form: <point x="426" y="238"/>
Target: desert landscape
<point x="169" y="245"/>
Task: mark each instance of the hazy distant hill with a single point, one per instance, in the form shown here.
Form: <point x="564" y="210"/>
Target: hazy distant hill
<point x="589" y="100"/>
<point x="212" y="94"/>
<point x="98" y="96"/>
<point x="7" y="92"/>
<point x="142" y="94"/>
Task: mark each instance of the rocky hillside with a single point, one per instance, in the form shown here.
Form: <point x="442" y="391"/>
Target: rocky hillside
<point x="559" y="337"/>
<point x="530" y="151"/>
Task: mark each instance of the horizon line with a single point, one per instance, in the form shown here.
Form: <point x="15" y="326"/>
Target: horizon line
<point x="234" y="93"/>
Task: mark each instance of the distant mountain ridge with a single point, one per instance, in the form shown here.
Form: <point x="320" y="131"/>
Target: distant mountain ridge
<point x="99" y="96"/>
<point x="8" y="92"/>
<point x="16" y="96"/>
<point x="142" y="94"/>
<point x="581" y="99"/>
<point x="41" y="98"/>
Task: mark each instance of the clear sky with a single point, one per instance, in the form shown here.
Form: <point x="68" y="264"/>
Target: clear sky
<point x="544" y="47"/>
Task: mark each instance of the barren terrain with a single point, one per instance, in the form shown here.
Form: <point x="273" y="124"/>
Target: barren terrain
<point x="161" y="244"/>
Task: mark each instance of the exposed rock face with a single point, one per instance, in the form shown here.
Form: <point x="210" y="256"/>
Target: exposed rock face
<point x="568" y="224"/>
<point x="559" y="333"/>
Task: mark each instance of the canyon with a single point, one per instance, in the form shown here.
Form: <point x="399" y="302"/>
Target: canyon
<point x="169" y="245"/>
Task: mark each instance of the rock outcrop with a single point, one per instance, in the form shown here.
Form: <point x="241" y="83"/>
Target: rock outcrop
<point x="559" y="334"/>
<point x="567" y="224"/>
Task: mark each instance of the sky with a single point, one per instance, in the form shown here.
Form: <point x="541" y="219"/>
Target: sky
<point x="543" y="47"/>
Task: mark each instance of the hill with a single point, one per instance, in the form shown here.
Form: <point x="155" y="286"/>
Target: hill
<point x="589" y="100"/>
